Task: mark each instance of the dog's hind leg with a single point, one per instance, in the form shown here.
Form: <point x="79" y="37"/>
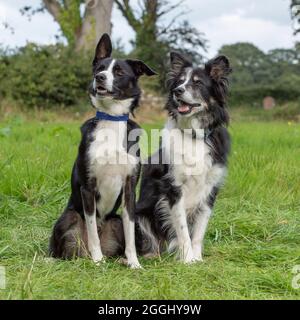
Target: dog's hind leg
<point x="112" y="236"/>
<point x="69" y="238"/>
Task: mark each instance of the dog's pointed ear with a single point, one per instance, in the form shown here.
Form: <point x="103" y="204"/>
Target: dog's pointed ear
<point x="104" y="48"/>
<point x="140" y="68"/>
<point x="218" y="68"/>
<point x="178" y="62"/>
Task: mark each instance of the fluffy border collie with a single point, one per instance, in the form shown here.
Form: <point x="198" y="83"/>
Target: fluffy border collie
<point x="176" y="199"/>
<point x="100" y="183"/>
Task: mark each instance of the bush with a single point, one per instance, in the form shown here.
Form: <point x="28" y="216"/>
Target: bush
<point x="254" y="95"/>
<point x="257" y="74"/>
<point x="44" y="76"/>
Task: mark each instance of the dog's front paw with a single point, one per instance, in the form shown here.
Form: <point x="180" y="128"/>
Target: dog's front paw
<point x="97" y="256"/>
<point x="187" y="255"/>
<point x="198" y="259"/>
<point x="198" y="253"/>
<point x="132" y="260"/>
<point x="133" y="264"/>
<point x="98" y="261"/>
<point x="189" y="260"/>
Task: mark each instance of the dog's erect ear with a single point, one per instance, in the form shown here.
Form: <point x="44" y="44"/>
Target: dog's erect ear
<point x="218" y="68"/>
<point x="104" y="48"/>
<point x="140" y="68"/>
<point x="178" y="62"/>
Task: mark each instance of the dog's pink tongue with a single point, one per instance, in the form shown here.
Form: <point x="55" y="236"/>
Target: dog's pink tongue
<point x="183" y="108"/>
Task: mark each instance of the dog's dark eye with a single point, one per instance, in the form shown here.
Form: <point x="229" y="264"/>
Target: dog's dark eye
<point x="119" y="71"/>
<point x="101" y="68"/>
<point x="198" y="81"/>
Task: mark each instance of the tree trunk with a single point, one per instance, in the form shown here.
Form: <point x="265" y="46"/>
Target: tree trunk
<point x="96" y="21"/>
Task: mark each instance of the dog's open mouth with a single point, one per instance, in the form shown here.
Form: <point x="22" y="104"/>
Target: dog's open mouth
<point x="103" y="91"/>
<point x="186" y="108"/>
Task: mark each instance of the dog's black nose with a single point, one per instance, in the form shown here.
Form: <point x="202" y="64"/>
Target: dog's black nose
<point x="178" y="91"/>
<point x="101" y="77"/>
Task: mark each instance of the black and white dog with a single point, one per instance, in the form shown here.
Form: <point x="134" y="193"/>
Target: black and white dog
<point x="177" y="197"/>
<point x="105" y="173"/>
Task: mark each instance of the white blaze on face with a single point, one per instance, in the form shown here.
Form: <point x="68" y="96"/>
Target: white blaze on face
<point x="187" y="78"/>
<point x="186" y="96"/>
<point x="109" y="76"/>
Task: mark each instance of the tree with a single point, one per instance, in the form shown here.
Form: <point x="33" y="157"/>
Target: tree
<point x="81" y="30"/>
<point x="295" y="12"/>
<point x="258" y="74"/>
<point x="153" y="39"/>
<point x="250" y="64"/>
<point x="286" y="56"/>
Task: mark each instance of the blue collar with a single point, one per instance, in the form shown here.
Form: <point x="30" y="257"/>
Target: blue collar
<point x="105" y="116"/>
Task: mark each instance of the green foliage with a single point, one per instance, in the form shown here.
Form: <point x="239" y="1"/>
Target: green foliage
<point x="254" y="94"/>
<point x="288" y="112"/>
<point x="70" y="20"/>
<point x="44" y="76"/>
<point x="257" y="75"/>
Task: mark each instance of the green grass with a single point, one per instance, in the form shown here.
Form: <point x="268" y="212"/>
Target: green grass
<point x="251" y="246"/>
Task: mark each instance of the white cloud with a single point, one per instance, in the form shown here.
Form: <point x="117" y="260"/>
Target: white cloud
<point x="121" y="30"/>
<point x="275" y="10"/>
<point x="232" y="28"/>
<point x="41" y="29"/>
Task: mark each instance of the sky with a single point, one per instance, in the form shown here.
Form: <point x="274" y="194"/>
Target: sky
<point x="265" y="23"/>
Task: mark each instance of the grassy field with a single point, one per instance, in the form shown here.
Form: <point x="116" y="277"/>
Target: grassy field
<point x="252" y="244"/>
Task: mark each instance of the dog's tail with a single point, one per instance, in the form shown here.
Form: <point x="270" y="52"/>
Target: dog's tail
<point x="147" y="238"/>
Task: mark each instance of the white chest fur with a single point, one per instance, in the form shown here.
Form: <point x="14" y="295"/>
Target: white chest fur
<point x="109" y="162"/>
<point x="192" y="167"/>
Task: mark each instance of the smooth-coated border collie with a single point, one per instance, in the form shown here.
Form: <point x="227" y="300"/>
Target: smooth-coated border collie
<point x="100" y="183"/>
<point x="176" y="199"/>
